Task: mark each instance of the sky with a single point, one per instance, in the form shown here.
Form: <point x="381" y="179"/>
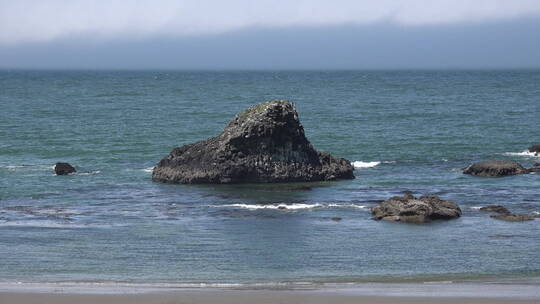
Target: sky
<point x="262" y="34"/>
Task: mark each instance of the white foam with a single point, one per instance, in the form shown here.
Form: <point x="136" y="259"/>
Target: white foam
<point x="292" y="206"/>
<point x="149" y="169"/>
<point x="361" y="164"/>
<point x="476" y="207"/>
<point x="275" y="206"/>
<point x="26" y="167"/>
<point x="525" y="153"/>
<point x="89" y="173"/>
<point x="347" y="206"/>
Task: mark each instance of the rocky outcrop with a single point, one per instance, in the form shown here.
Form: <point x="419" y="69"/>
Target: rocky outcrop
<point x="64" y="169"/>
<point x="495" y="168"/>
<point x="411" y="209"/>
<point x="264" y="144"/>
<point x="535" y="149"/>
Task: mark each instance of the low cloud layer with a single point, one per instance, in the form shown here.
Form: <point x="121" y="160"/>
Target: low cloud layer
<point x="29" y="21"/>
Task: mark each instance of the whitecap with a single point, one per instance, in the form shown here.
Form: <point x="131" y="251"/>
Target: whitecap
<point x="475" y="207"/>
<point x="361" y="164"/>
<point x="26" y="167"/>
<point x="149" y="169"/>
<point x="274" y="206"/>
<point x="292" y="206"/>
<point x="347" y="206"/>
<point x="525" y="153"/>
<point x="88" y="173"/>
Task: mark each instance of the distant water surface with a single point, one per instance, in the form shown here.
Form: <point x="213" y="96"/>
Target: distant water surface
<point x="405" y="131"/>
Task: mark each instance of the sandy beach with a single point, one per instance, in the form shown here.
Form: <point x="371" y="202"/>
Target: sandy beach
<point x="362" y="293"/>
<point x="237" y="297"/>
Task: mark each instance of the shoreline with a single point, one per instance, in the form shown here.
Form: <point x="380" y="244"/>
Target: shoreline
<point x="381" y="293"/>
<point x="451" y="289"/>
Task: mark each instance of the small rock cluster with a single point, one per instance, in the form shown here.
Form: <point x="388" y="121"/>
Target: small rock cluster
<point x="418" y="210"/>
<point x="506" y="215"/>
<point x="498" y="168"/>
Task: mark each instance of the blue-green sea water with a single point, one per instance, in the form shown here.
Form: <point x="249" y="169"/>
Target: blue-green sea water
<point x="407" y="131"/>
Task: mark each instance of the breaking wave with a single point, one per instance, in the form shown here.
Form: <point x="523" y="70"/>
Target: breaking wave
<point x="361" y="164"/>
<point x="292" y="206"/>
<point x="525" y="153"/>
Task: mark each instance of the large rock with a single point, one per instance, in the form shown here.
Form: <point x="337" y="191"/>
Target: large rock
<point x="495" y="168"/>
<point x="64" y="169"/>
<point x="263" y="144"/>
<point x="535" y="149"/>
<point x="411" y="209"/>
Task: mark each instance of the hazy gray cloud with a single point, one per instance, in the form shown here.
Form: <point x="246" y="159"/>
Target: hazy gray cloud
<point x="28" y="21"/>
<point x="501" y="44"/>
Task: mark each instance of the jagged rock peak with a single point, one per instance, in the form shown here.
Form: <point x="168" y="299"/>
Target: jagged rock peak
<point x="263" y="144"/>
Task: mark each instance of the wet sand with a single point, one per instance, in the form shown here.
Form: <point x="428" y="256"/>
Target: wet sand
<point x="237" y="297"/>
<point x="361" y="294"/>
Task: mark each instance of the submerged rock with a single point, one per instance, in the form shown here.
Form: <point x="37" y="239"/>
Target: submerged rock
<point x="263" y="144"/>
<point x="496" y="208"/>
<point x="495" y="168"/>
<point x="411" y="209"/>
<point x="514" y="217"/>
<point x="64" y="169"/>
<point x="507" y="215"/>
<point x="535" y="149"/>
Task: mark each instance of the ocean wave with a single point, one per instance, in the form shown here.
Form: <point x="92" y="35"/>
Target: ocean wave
<point x="88" y="172"/>
<point x="149" y="169"/>
<point x="117" y="287"/>
<point x="291" y="206"/>
<point x="361" y="164"/>
<point x="54" y="224"/>
<point x="27" y="167"/>
<point x="40" y="224"/>
<point x="525" y="153"/>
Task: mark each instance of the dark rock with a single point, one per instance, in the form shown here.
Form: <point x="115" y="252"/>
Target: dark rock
<point x="496" y="208"/>
<point x="537" y="164"/>
<point x="535" y="149"/>
<point x="534" y="170"/>
<point x="336" y="219"/>
<point x="513" y="217"/>
<point x="263" y="144"/>
<point x="64" y="169"/>
<point x="282" y="207"/>
<point x="408" y="196"/>
<point x="411" y="209"/>
<point x="495" y="168"/>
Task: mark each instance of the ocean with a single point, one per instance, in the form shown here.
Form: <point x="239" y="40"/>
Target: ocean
<point x="405" y="131"/>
